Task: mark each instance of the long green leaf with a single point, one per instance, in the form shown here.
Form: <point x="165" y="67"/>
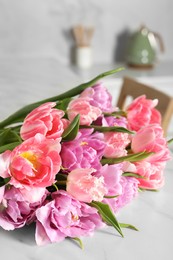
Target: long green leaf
<point x="105" y="129"/>
<point x="8" y="136"/>
<point x="72" y="130"/>
<point x="130" y="158"/>
<point x="8" y="146"/>
<point x="107" y="215"/>
<point x="21" y="113"/>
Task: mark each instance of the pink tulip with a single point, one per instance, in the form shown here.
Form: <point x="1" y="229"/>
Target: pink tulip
<point x="150" y="139"/>
<point x="85" y="187"/>
<point x="116" y="144"/>
<point x="35" y="162"/>
<point x="153" y="175"/>
<point x="45" y="120"/>
<point x="87" y="112"/>
<point x="141" y="112"/>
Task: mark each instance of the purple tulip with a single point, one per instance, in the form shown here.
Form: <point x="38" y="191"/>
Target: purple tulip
<point x="99" y="97"/>
<point x="15" y="210"/>
<point x="83" y="152"/>
<point x="64" y="217"/>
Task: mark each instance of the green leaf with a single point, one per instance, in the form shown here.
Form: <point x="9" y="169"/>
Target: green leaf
<point x="144" y="189"/>
<point x="107" y="215"/>
<point x="8" y="136"/>
<point x="105" y="129"/>
<point x="111" y="197"/>
<point x="132" y="174"/>
<point x="79" y="241"/>
<point x="9" y="146"/>
<point x="71" y="131"/>
<point x="4" y="181"/>
<point x="124" y="225"/>
<point x="130" y="158"/>
<point x="19" y="115"/>
<point x="63" y="104"/>
<point x="170" y="141"/>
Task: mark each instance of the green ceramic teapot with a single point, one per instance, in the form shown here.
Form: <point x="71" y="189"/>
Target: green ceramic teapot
<point x="143" y="47"/>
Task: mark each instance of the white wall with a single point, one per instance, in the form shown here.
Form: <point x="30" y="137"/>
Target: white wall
<point x="42" y="27"/>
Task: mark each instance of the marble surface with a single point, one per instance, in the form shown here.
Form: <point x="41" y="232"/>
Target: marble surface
<point x="24" y="81"/>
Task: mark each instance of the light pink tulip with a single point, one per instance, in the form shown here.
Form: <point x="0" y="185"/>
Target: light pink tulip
<point x="35" y="162"/>
<point x="116" y="144"/>
<point x="151" y="139"/>
<point x="87" y="112"/>
<point x="34" y="195"/>
<point x="4" y="163"/>
<point x="45" y="120"/>
<point x="153" y="175"/>
<point x="141" y="112"/>
<point x="85" y="187"/>
<point x="2" y="189"/>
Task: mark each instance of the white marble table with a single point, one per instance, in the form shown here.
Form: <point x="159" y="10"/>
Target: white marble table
<point x="22" y="82"/>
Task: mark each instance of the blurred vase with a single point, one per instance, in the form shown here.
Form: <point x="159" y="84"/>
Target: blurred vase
<point x="84" y="57"/>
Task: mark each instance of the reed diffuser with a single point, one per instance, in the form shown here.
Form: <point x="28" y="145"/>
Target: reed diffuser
<point x="83" y="51"/>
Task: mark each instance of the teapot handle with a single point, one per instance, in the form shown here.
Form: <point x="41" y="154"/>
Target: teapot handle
<point x="160" y="40"/>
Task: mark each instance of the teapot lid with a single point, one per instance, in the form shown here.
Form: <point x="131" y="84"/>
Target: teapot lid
<point x="144" y="30"/>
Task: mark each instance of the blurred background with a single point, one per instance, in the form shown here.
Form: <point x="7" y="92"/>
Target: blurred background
<point x="42" y="28"/>
<point x="42" y="41"/>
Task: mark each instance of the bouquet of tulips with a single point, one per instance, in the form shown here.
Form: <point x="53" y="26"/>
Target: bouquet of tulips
<point x="71" y="162"/>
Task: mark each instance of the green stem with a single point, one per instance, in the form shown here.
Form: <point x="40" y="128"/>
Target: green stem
<point x="54" y="185"/>
<point x="19" y="115"/>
